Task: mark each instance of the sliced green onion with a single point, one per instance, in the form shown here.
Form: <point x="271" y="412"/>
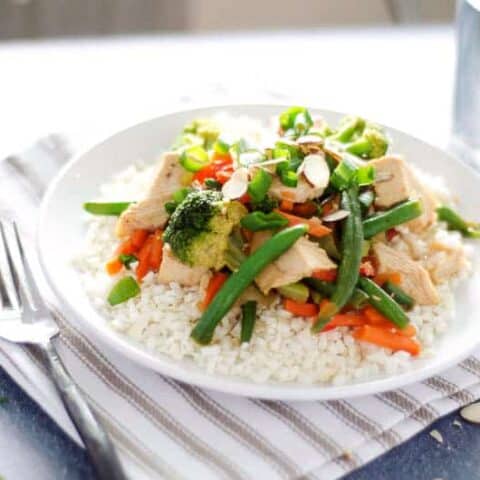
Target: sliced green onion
<point x="295" y="291"/>
<point x="303" y="121"/>
<point x="456" y="222"/>
<point x="194" y="158"/>
<point x="344" y="174"/>
<point x="289" y="178"/>
<point x="124" y="289"/>
<point x="221" y="145"/>
<point x="106" y="208"/>
<point x="365" y="175"/>
<point x="259" y="185"/>
<point x="249" y="317"/>
<point x="287" y="118"/>
<point x="258" y="220"/>
<point x="127" y="260"/>
<point x="399" y="295"/>
<point x="402" y="213"/>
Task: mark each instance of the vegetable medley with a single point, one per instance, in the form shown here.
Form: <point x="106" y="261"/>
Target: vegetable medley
<point x="308" y="219"/>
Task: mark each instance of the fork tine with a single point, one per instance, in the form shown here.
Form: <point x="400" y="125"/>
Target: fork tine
<point x="22" y="271"/>
<point x="8" y="283"/>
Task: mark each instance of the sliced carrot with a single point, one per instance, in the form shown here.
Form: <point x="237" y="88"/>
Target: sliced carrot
<point x="374" y="317"/>
<point x="352" y="319"/>
<point x="393" y="277"/>
<point x="143" y="266"/>
<point x="126" y="247"/>
<point x="306" y="209"/>
<point x="315" y="226"/>
<point x="300" y="309"/>
<point x="113" y="266"/>
<point x="138" y="238"/>
<point x="384" y="338"/>
<point x="286" y="205"/>
<point x="214" y="285"/>
<point x="157" y="250"/>
<point x="328" y="275"/>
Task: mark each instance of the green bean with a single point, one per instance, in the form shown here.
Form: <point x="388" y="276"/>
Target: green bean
<point x="106" y="208"/>
<point x="244" y="276"/>
<point x="402" y="213"/>
<point x="249" y="317"/>
<point x="456" y="222"/>
<point x="326" y="289"/>
<point x="351" y="248"/>
<point x="125" y="288"/>
<point x="384" y="303"/>
<point x="296" y="291"/>
<point x="399" y="295"/>
<point x="358" y="299"/>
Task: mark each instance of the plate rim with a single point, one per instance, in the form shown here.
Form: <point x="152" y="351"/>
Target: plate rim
<point x="127" y="348"/>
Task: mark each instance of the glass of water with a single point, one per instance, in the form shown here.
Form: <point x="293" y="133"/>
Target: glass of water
<point x="466" y="115"/>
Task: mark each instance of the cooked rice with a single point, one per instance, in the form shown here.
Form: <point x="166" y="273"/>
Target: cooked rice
<point x="282" y="348"/>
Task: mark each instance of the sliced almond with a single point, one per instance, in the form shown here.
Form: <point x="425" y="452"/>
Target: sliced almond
<point x="471" y="413"/>
<point x="237" y="185"/>
<point x="316" y="170"/>
<point x="336" y="216"/>
<point x="310" y="140"/>
<point x="437" y="436"/>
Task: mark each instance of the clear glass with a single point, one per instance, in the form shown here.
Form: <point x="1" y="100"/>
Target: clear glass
<point x="466" y="115"/>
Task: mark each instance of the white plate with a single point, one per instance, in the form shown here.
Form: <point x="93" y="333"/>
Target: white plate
<point x="61" y="229"/>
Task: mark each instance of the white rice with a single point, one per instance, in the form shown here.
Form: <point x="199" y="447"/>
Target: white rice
<point x="282" y="348"/>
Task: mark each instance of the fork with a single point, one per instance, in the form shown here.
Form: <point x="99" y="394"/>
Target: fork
<point x="26" y="319"/>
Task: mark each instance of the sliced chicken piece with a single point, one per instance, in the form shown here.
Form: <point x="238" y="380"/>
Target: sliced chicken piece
<point x="415" y="280"/>
<point x="150" y="213"/>
<point x="397" y="182"/>
<point x="445" y="261"/>
<point x="300" y="261"/>
<point x="173" y="270"/>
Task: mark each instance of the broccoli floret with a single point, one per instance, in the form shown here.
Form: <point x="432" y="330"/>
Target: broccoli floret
<point x="360" y="137"/>
<point x="267" y="205"/>
<point x="199" y="228"/>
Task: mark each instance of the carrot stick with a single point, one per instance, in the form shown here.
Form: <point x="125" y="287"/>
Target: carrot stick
<point x="306" y="209"/>
<point x="138" y="238"/>
<point x="353" y="319"/>
<point x="126" y="247"/>
<point x="157" y="249"/>
<point x="143" y="266"/>
<point x="393" y="277"/>
<point x="315" y="226"/>
<point x="214" y="285"/>
<point x="328" y="275"/>
<point x="374" y="317"/>
<point x="384" y="338"/>
<point x="300" y="309"/>
<point x="113" y="266"/>
<point x="286" y="205"/>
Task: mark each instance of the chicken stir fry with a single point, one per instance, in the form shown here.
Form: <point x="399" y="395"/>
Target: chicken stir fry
<point x="311" y="221"/>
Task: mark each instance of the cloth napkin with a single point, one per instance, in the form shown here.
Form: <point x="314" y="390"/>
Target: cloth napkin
<point x="168" y="429"/>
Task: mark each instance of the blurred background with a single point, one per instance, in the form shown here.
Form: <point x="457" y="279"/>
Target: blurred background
<point x="52" y="18"/>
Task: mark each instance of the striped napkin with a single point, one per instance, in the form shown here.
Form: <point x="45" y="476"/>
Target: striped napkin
<point x="167" y="429"/>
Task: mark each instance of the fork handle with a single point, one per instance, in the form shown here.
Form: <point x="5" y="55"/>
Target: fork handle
<point x="98" y="445"/>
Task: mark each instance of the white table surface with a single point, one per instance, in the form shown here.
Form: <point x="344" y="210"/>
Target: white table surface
<point x="89" y="88"/>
